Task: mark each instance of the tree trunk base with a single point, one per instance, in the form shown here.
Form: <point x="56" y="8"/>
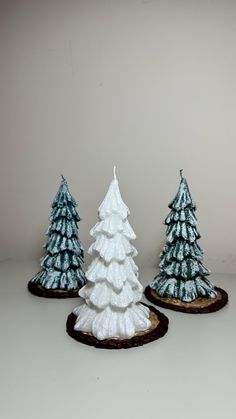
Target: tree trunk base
<point x="158" y="329"/>
<point x="40" y="291"/>
<point x="198" y="306"/>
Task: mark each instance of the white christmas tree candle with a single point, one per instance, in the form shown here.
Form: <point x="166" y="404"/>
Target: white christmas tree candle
<point x="110" y="307"/>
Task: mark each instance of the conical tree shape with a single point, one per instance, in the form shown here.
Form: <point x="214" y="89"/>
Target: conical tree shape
<point x="62" y="263"/>
<point x="111" y="297"/>
<point x="182" y="274"/>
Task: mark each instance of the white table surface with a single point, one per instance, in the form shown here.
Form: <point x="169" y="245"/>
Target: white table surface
<point x="45" y="374"/>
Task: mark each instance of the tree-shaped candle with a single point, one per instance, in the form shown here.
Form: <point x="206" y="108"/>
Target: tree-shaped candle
<point x="111" y="314"/>
<point x="182" y="284"/>
<point x="61" y="275"/>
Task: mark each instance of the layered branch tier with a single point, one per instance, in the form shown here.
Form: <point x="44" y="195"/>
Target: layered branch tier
<point x="111" y="297"/>
<point x="62" y="261"/>
<point x="113" y="225"/>
<point x="116" y="248"/>
<point x="187" y="268"/>
<point x="68" y="212"/>
<point x="115" y="273"/>
<point x="101" y="295"/>
<point x="181" y="230"/>
<point x="109" y="322"/>
<point x="59" y="243"/>
<point x="53" y="279"/>
<point x="66" y="227"/>
<point x="185" y="290"/>
<point x="180" y="250"/>
<point x="185" y="215"/>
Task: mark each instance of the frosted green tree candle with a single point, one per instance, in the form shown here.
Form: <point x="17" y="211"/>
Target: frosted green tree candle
<point x="62" y="274"/>
<point x="182" y="276"/>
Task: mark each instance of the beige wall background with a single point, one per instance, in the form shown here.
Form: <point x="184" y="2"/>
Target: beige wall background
<point x="146" y="85"/>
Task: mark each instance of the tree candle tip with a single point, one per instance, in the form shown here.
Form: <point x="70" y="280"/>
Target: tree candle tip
<point x="181" y="173"/>
<point x="114" y="172"/>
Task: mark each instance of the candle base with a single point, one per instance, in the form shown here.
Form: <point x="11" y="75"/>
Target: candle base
<point x="159" y="327"/>
<point x="40" y="291"/>
<point x="198" y="306"/>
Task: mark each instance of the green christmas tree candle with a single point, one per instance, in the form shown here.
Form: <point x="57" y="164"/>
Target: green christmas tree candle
<point x="61" y="274"/>
<point x="182" y="283"/>
<point x="182" y="273"/>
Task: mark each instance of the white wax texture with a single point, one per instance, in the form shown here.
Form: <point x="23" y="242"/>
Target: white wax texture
<point x="110" y="307"/>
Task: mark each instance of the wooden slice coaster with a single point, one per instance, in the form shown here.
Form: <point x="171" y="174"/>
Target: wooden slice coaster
<point x="40" y="291"/>
<point x="198" y="306"/>
<point x="158" y="329"/>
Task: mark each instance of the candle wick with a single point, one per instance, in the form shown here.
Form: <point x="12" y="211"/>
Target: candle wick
<point x="114" y="172"/>
<point x="181" y="173"/>
<point x="63" y="178"/>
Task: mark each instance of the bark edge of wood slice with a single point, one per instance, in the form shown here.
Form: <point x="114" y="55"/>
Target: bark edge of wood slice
<point x="40" y="291"/>
<point x="199" y="306"/>
<point x="157" y="330"/>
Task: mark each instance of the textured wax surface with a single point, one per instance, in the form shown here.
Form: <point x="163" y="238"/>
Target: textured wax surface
<point x="111" y="297"/>
<point x="182" y="274"/>
<point x="65" y="255"/>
